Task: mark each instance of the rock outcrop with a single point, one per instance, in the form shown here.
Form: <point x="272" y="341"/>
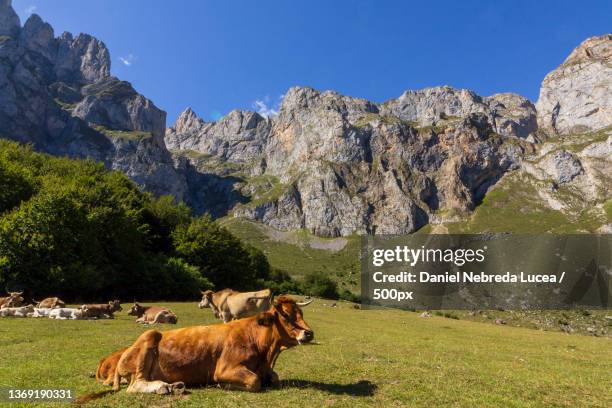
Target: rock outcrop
<point x="238" y="137"/>
<point x="57" y="93"/>
<point x="577" y="96"/>
<point x="508" y="114"/>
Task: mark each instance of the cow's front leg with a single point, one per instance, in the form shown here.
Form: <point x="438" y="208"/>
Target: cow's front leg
<point x="271" y="379"/>
<point x="238" y="378"/>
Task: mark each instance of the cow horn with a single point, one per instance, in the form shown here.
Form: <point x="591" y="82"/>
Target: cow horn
<point x="304" y="304"/>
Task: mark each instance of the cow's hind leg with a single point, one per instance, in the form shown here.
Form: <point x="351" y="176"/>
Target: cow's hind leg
<point x="143" y="358"/>
<point x="137" y="361"/>
<point x="238" y="378"/>
<point x="147" y="355"/>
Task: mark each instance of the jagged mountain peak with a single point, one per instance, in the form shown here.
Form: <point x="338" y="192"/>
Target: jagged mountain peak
<point x="187" y="121"/>
<point x="576" y="96"/>
<point x="593" y="48"/>
<point x="10" y="25"/>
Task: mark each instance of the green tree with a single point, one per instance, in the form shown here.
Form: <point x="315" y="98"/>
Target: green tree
<point x="220" y="256"/>
<point x="320" y="285"/>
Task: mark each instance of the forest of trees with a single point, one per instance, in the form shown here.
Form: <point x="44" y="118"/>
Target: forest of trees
<point x="73" y="229"/>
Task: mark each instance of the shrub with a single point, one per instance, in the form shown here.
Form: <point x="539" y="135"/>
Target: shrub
<point x="280" y="282"/>
<point x="320" y="285"/>
<point x="349" y="296"/>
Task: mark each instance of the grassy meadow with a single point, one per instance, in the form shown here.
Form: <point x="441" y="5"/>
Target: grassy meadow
<point x="361" y="358"/>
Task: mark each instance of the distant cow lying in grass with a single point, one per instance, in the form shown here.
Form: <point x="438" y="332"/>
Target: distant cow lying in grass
<point x="229" y="305"/>
<point x="152" y="314"/>
<point x="40" y="312"/>
<point x="101" y="311"/>
<point x="21" y="311"/>
<point x="14" y="299"/>
<point x="238" y="355"/>
<point x="65" y="313"/>
<point x="107" y="366"/>
<point x="51" y="303"/>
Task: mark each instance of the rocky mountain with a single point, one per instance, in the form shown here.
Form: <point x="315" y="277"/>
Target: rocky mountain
<point x="57" y="93"/>
<point x="327" y="163"/>
<point x="336" y="165"/>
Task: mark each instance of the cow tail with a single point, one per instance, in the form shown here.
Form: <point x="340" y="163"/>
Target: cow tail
<point x="93" y="396"/>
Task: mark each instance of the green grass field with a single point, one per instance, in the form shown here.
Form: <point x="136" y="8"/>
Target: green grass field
<point x="361" y="358"/>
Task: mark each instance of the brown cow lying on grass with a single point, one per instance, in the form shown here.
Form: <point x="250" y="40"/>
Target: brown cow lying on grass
<point x="152" y="314"/>
<point x="50" y="303"/>
<point x="238" y="355"/>
<point x="101" y="311"/>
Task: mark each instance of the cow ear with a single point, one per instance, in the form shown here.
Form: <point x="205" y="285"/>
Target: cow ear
<point x="265" y="319"/>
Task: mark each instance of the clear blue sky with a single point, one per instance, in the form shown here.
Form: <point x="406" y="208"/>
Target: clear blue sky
<point x="219" y="55"/>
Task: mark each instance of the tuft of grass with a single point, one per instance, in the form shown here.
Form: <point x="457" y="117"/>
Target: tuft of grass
<point x="64" y="105"/>
<point x="360" y="358"/>
<point x="123" y="134"/>
<point x="266" y="188"/>
<point x="608" y="210"/>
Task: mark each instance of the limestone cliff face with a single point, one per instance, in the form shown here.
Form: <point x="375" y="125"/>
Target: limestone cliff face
<point x="337" y="165"/>
<point x="57" y="93"/>
<point x="577" y="96"/>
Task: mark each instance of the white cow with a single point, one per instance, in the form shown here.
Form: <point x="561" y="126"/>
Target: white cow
<point x="16" y="311"/>
<point x="40" y="312"/>
<point x="64" y="313"/>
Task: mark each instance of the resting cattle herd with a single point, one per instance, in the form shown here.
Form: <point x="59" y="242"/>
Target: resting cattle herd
<point x="238" y="355"/>
<point x="152" y="314"/>
<point x="229" y="304"/>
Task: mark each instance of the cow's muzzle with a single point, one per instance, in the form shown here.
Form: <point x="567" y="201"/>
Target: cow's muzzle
<point x="305" y="336"/>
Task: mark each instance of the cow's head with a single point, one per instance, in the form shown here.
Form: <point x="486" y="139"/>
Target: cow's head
<point x="287" y="315"/>
<point x="136" y="310"/>
<point x="115" y="306"/>
<point x="207" y="299"/>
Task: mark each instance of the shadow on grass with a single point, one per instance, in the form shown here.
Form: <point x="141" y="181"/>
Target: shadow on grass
<point x="363" y="388"/>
